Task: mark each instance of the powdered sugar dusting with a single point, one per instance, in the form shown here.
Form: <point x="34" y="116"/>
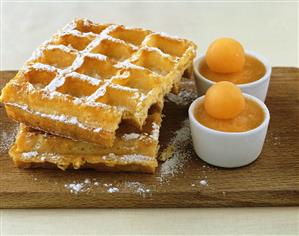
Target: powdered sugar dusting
<point x="81" y="186"/>
<point x="155" y="131"/>
<point x="113" y="190"/>
<point x="182" y="152"/>
<point x="123" y="88"/>
<point x="61" y="118"/>
<point x="96" y="40"/>
<point x="128" y="64"/>
<point x="100" y="92"/>
<point x="157" y="50"/>
<point x="184" y="98"/>
<point x="59" y="47"/>
<point x="97" y="56"/>
<point x="76" y="187"/>
<point x="41" y="66"/>
<point x="88" y="184"/>
<point x="86" y="78"/>
<point x="130" y="136"/>
<point x="28" y="155"/>
<point x="163" y="34"/>
<point x="135" y="158"/>
<point x="138" y="188"/>
<point x="181" y="143"/>
<point x="203" y="182"/>
<point x="7" y="137"/>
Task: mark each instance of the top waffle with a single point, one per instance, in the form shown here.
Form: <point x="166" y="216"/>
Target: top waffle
<point x="89" y="77"/>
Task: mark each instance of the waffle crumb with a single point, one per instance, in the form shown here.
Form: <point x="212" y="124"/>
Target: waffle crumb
<point x="166" y="153"/>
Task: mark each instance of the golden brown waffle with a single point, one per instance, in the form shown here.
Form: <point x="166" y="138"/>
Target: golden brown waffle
<point x="132" y="150"/>
<point x="88" y="78"/>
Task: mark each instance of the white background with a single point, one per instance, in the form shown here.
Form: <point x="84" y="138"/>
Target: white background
<point x="269" y="28"/>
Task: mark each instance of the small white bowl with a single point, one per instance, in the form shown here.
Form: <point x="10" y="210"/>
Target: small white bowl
<point x="258" y="88"/>
<point x="228" y="149"/>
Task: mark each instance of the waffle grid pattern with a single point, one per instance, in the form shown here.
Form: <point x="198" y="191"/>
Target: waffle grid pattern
<point x="110" y="71"/>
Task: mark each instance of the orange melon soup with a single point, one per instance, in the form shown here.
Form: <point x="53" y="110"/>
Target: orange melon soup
<point x="226" y="60"/>
<point x="251" y="117"/>
<point x="224" y="108"/>
<point x="253" y="70"/>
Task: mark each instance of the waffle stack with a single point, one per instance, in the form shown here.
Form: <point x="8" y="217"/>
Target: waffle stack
<point x="92" y="96"/>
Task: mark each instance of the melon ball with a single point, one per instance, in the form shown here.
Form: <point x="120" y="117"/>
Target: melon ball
<point x="224" y="100"/>
<point x="225" y="55"/>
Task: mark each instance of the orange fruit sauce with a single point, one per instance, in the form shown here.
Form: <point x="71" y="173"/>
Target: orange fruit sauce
<point x="226" y="60"/>
<point x="224" y="108"/>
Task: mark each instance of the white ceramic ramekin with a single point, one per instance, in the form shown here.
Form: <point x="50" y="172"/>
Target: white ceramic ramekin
<point x="257" y="88"/>
<point x="228" y="149"/>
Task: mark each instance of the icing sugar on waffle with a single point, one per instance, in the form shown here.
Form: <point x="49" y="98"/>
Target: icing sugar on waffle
<point x="69" y="71"/>
<point x="70" y="29"/>
<point x="107" y="60"/>
<point x="61" y="118"/>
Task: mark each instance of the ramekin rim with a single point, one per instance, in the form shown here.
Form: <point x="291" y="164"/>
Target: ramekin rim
<point x="261" y="58"/>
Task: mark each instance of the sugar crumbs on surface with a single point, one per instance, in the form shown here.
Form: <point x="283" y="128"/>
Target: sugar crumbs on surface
<point x="7" y="137"/>
<point x="138" y="188"/>
<point x="272" y="138"/>
<point x="182" y="151"/>
<point x="79" y="187"/>
<point x="87" y="185"/>
<point x="113" y="190"/>
<point x="74" y="187"/>
<point x="110" y="188"/>
<point x="204" y="182"/>
<point x="184" y="98"/>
